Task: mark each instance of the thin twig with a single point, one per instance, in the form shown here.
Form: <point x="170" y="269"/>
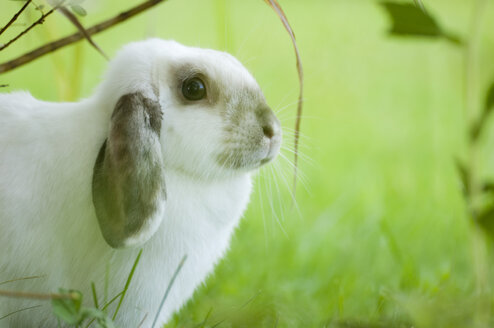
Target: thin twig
<point x="279" y="11"/>
<point x="21" y="310"/>
<point x="38" y="22"/>
<point x="14" y="18"/>
<point x="71" y="17"/>
<point x="23" y="278"/>
<point x="55" y="45"/>
<point x="35" y="296"/>
<point x="143" y="320"/>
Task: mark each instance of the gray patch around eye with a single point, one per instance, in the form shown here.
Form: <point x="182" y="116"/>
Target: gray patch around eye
<point x="128" y="179"/>
<point x="180" y="72"/>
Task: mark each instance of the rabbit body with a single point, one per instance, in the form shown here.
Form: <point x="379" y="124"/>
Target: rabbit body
<point x="48" y="227"/>
<point x="48" y="224"/>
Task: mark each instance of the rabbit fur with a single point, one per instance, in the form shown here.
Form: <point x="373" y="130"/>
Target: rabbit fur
<point x="84" y="186"/>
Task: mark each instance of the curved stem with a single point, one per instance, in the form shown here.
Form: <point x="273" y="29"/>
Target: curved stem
<point x="479" y="242"/>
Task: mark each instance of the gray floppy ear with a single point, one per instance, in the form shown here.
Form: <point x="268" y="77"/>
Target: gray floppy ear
<point x="129" y="191"/>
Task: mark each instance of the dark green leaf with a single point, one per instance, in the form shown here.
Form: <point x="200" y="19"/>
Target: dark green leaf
<point x="68" y="309"/>
<point x="486" y="221"/>
<point x="78" y="10"/>
<point x="410" y="20"/>
<point x="489" y="100"/>
<point x="488" y="186"/>
<point x="478" y="126"/>
<point x="464" y="176"/>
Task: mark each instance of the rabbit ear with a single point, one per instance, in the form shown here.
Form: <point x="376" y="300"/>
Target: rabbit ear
<point x="129" y="191"/>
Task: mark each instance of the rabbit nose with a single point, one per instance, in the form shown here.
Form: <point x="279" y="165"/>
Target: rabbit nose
<point x="268" y="121"/>
<point x="268" y="131"/>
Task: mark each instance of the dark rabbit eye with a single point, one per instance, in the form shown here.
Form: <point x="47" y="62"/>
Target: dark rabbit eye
<point x="194" y="89"/>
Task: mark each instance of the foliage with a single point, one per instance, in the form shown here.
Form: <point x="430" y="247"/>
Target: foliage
<point x="71" y="311"/>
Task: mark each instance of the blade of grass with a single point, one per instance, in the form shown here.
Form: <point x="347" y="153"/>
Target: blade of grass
<point x="20" y="279"/>
<point x="279" y="11"/>
<point x="170" y="284"/>
<point x="203" y="323"/>
<point x="21" y="310"/>
<point x="106" y="306"/>
<point x="107" y="279"/>
<point x="129" y="279"/>
<point x="112" y="300"/>
<point x="95" y="297"/>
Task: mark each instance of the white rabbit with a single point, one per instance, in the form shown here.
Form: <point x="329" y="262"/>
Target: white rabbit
<point x="159" y="158"/>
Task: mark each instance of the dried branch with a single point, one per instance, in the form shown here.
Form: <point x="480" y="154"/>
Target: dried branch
<point x="35" y="296"/>
<point x="55" y="45"/>
<point x="71" y="17"/>
<point x="38" y="22"/>
<point x="14" y="18"/>
<point x="277" y="8"/>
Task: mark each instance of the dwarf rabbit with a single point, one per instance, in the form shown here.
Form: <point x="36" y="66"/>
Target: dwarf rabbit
<point x="159" y="158"/>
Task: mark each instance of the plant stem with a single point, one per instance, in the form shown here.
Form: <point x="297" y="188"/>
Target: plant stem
<point x="480" y="254"/>
<point x="55" y="45"/>
<point x="38" y="22"/>
<point x="36" y="296"/>
<point x="14" y="18"/>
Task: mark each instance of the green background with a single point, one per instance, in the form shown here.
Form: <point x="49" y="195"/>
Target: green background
<point x="379" y="236"/>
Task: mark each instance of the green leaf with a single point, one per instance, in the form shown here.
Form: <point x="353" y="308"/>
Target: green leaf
<point x="489" y="100"/>
<point x="78" y="10"/>
<point x="464" y="175"/>
<point x="68" y="309"/>
<point x="410" y="20"/>
<point x="486" y="221"/>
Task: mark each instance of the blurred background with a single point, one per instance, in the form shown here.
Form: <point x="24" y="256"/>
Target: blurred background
<point x="379" y="234"/>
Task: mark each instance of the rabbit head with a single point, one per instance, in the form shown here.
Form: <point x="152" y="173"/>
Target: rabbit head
<point x="178" y="110"/>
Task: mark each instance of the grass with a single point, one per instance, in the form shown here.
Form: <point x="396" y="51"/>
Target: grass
<point x="382" y="238"/>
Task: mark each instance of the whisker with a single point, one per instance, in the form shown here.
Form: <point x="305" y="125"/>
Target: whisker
<point x="300" y="176"/>
<point x="277" y="219"/>
<point x="279" y="172"/>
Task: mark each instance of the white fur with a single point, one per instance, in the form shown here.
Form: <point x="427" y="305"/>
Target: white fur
<point x="48" y="224"/>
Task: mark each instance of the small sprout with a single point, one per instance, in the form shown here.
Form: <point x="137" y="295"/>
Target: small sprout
<point x="68" y="309"/>
<point x="79" y="10"/>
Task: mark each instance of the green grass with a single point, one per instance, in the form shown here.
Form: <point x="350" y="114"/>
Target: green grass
<point x="382" y="237"/>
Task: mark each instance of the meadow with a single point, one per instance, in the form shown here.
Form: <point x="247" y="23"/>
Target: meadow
<point x="378" y="235"/>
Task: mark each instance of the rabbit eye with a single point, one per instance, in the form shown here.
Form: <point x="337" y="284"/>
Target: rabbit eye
<point x="194" y="89"/>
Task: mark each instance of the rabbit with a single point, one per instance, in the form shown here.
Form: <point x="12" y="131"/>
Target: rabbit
<point x="160" y="158"/>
